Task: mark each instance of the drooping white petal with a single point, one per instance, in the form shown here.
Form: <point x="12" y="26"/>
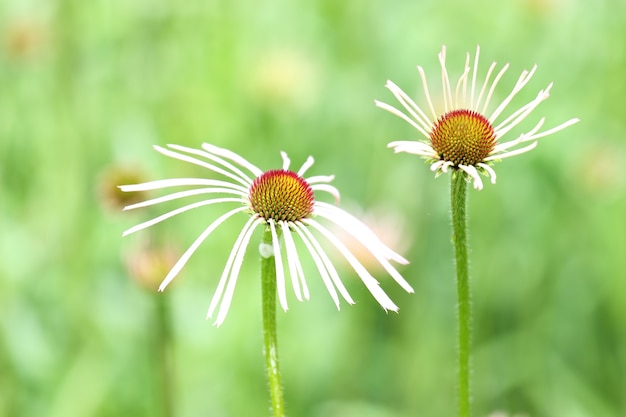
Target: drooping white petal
<point x="321" y="267"/>
<point x="234" y="274"/>
<point x="239" y="160"/>
<point x="371" y="242"/>
<point x="370" y="282"/>
<point x="214" y="158"/>
<point x="251" y="224"/>
<point x="307" y="164"/>
<point x="280" y="270"/>
<point x="357" y="228"/>
<point x="436" y="165"/>
<point x="195" y="161"/>
<point x="177" y="182"/>
<point x="183" y="194"/>
<point x="328" y="265"/>
<point x="490" y="171"/>
<point x="478" y="182"/>
<point x="183" y="259"/>
<point x="293" y="260"/>
<point x="180" y="210"/>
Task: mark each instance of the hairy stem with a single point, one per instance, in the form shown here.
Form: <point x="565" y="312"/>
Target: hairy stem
<point x="270" y="340"/>
<point x="458" y="200"/>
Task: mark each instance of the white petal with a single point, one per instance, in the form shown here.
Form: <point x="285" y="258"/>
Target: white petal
<point x="436" y="165"/>
<point x="226" y="273"/>
<point x="372" y="285"/>
<point x="413" y="147"/>
<point x="414" y="110"/>
<point x="328" y="265"/>
<point x="280" y="271"/>
<point x="298" y="227"/>
<point x="427" y="92"/>
<point x="329" y="189"/>
<point x="239" y="160"/>
<point x="482" y="89"/>
<point x="553" y="130"/>
<point x="346" y="220"/>
<point x="234" y="274"/>
<point x="445" y="81"/>
<point x="521" y="114"/>
<point x="368" y="239"/>
<point x="512" y="153"/>
<point x="474" y="72"/>
<point x="320" y="178"/>
<point x="180" y="210"/>
<point x="293" y="260"/>
<point x="307" y="164"/>
<point x="176" y="182"/>
<point x="183" y="259"/>
<point x="195" y="161"/>
<point x="461" y="86"/>
<point x="214" y="158"/>
<point x="493" y="87"/>
<point x="521" y="82"/>
<point x="286" y="160"/>
<point x="401" y="115"/>
<point x="490" y="171"/>
<point x="188" y="193"/>
<point x="478" y="183"/>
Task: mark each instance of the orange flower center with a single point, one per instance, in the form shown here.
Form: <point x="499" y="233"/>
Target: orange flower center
<point x="463" y="137"/>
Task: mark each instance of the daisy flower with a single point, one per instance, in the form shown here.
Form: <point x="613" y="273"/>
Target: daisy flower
<point x="465" y="136"/>
<point x="281" y="201"/>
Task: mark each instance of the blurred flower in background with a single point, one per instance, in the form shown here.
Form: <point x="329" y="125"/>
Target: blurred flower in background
<point x="110" y="196"/>
<point x="284" y="78"/>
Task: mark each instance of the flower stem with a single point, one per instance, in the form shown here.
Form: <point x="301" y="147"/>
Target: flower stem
<point x="458" y="201"/>
<point x="268" y="283"/>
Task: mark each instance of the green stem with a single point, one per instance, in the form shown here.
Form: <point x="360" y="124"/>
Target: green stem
<point x="458" y="201"/>
<point x="164" y="355"/>
<point x="270" y="341"/>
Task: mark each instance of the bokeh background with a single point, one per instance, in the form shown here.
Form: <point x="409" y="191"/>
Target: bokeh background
<point x="86" y="87"/>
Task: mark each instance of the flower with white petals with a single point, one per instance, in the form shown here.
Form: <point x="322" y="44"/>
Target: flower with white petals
<point x="464" y="137"/>
<point x="281" y="201"/>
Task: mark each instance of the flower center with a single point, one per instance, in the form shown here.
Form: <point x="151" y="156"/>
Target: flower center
<point x="282" y="196"/>
<point x="463" y="137"/>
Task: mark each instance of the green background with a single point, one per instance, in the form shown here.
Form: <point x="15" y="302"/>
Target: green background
<point x="86" y="87"/>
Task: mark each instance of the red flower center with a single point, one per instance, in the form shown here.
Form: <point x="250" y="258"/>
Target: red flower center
<point x="282" y="196"/>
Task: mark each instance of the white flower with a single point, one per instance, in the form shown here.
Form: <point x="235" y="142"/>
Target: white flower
<point x="464" y="137"/>
<point x="282" y="201"/>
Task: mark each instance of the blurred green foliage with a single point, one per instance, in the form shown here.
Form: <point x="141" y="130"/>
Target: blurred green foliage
<point x="87" y="87"/>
